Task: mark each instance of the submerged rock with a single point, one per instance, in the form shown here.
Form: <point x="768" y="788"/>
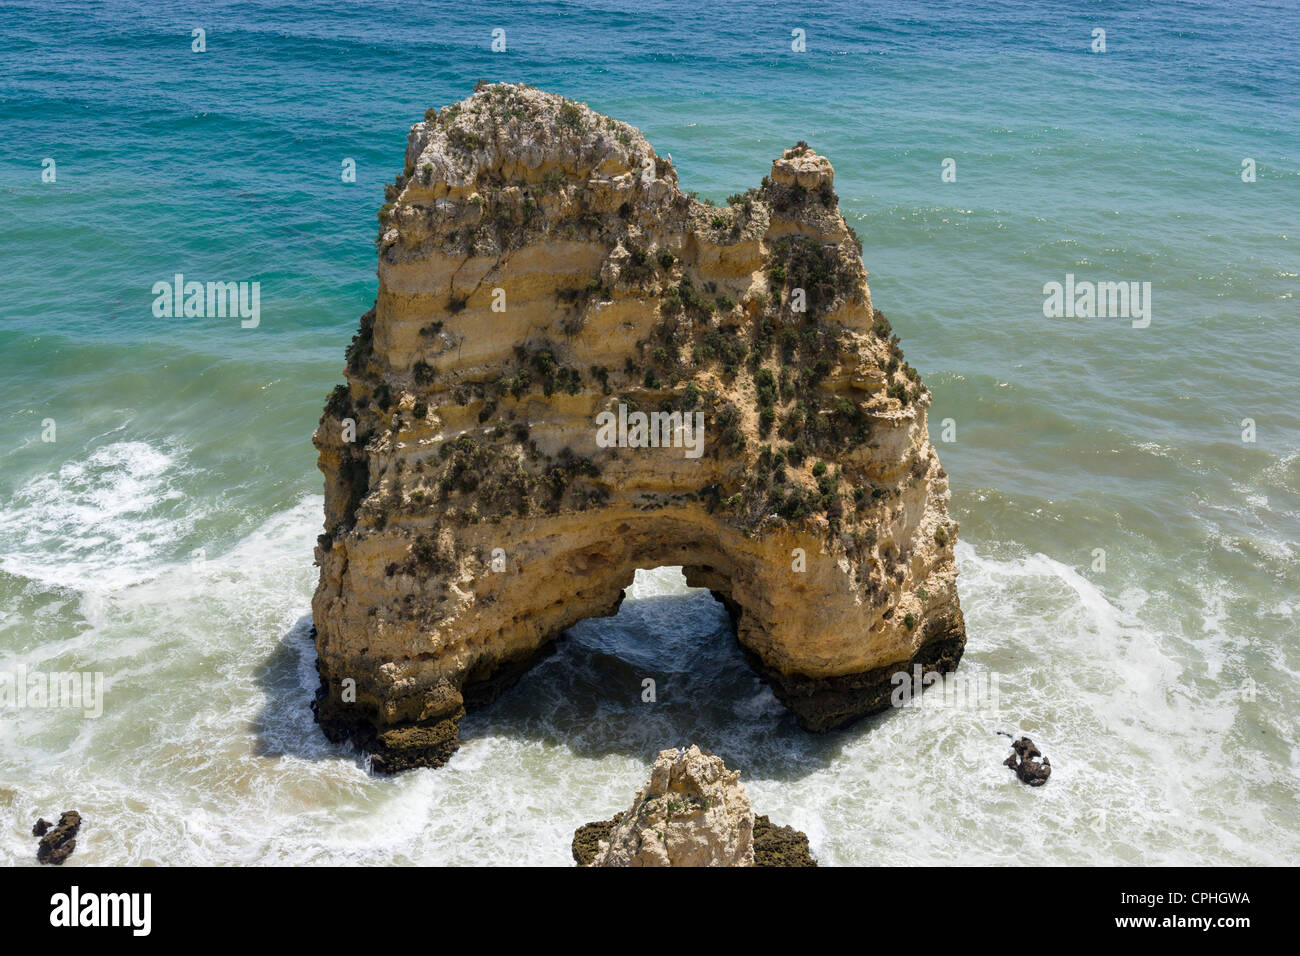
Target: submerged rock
<point x="692" y="812"/>
<point x="1024" y="760"/>
<point x="57" y="844"/>
<point x="573" y="370"/>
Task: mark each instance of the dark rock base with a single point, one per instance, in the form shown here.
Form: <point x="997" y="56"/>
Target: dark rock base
<point x="820" y="704"/>
<point x="429" y="742"/>
<point x="395" y="748"/>
<point x="780" y="846"/>
<point x="586" y="839"/>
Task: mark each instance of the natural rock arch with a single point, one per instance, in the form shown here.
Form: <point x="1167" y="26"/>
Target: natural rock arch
<point x="539" y="268"/>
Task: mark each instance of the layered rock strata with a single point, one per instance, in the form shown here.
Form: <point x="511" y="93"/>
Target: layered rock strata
<point x="574" y="370"/>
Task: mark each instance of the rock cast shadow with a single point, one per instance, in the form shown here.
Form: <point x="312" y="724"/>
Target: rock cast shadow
<point x="591" y="694"/>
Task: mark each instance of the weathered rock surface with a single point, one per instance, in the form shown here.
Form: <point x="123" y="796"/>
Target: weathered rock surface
<point x="58" y="843"/>
<point x="1028" y="763"/>
<point x="588" y="837"/>
<point x="692" y="812"/>
<point x="780" y="846"/>
<point x="539" y="266"/>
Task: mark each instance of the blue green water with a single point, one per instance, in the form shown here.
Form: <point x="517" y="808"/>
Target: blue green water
<point x="1164" y="688"/>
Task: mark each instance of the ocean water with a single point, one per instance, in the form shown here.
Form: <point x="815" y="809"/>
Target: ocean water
<point x="164" y="538"/>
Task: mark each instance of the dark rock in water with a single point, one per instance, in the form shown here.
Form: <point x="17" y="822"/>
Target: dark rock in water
<point x="1025" y="761"/>
<point x="780" y="846"/>
<point x="57" y="845"/>
<point x="42" y="825"/>
<point x="586" y="839"/>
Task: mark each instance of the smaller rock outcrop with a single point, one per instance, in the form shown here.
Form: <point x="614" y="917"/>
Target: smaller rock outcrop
<point x="58" y="843"/>
<point x="692" y="812"/>
<point x="780" y="846"/>
<point x="1028" y="763"/>
<point x="588" y="837"/>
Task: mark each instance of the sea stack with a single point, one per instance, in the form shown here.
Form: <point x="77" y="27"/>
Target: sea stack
<point x="573" y="370"/>
<point x="693" y="811"/>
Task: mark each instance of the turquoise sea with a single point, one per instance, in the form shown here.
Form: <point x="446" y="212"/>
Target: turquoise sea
<point x="164" y="537"/>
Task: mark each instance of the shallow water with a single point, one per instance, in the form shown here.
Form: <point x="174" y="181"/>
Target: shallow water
<point x="164" y="539"/>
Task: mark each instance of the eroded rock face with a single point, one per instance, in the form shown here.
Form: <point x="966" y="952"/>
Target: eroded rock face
<point x="543" y="282"/>
<point x="776" y="845"/>
<point x="692" y="812"/>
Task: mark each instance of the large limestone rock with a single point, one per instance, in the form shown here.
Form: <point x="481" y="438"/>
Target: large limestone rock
<point x="693" y="812"/>
<point x="489" y="482"/>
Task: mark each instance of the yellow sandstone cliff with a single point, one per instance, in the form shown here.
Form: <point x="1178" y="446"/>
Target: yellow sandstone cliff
<point x="574" y="370"/>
